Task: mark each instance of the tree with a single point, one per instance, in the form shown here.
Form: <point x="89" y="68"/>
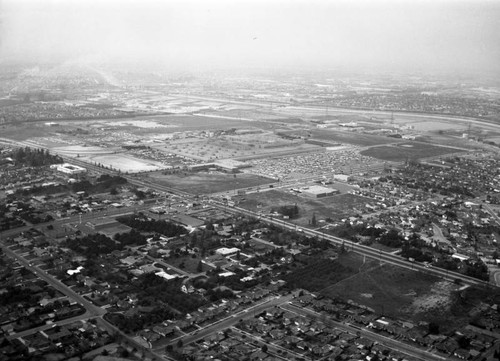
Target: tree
<point x="264" y="348"/>
<point x="125" y="353"/>
<point x="179" y="344"/>
<point x="433" y="328"/>
<point x="463" y="342"/>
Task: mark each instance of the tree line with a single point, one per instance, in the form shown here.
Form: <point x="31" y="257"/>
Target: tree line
<point x="142" y="223"/>
<point x="35" y="157"/>
<point x="93" y="245"/>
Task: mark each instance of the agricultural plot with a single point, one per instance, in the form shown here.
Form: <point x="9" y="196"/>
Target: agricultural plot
<point x="408" y="151"/>
<point x="209" y="182"/>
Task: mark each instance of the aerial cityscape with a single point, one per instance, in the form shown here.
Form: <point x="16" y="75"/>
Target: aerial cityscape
<point x="249" y="181"/>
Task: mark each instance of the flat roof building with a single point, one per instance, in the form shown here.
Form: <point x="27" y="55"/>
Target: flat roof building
<point x="319" y="191"/>
<point x="69" y="168"/>
<point x="227" y="251"/>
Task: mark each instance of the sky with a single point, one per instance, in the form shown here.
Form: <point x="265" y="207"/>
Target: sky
<point x="412" y="35"/>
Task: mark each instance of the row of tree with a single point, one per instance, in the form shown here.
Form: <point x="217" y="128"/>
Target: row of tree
<point x="141" y="222"/>
<point x="97" y="244"/>
<point x="35" y="157"/>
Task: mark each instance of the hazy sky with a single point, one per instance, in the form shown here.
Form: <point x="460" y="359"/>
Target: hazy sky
<point x="410" y="35"/>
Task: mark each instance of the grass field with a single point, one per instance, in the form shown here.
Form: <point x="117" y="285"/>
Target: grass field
<point x="205" y="182"/>
<point x="405" y="151"/>
<point x="335" y="207"/>
<point x="400" y="293"/>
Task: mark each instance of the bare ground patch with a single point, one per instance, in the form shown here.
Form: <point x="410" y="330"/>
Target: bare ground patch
<point x="438" y="299"/>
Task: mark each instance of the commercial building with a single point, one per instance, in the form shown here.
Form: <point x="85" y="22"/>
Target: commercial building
<point x="319" y="191"/>
<point x="69" y="168"/>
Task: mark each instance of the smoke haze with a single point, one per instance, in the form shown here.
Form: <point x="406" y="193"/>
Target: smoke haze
<point x="461" y="36"/>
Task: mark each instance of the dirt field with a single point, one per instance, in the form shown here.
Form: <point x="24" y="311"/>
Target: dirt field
<point x="209" y="182"/>
<point x="126" y="163"/>
<point x="407" y="151"/>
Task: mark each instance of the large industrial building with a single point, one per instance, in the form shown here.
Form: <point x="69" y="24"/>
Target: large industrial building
<point x="319" y="191"/>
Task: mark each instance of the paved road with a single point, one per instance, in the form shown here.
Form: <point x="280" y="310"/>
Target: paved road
<point x="228" y="321"/>
<point x="58" y="285"/>
<point x="492" y="212"/>
<point x="359" y="248"/>
<point x="386" y="341"/>
<point x="83" y="218"/>
<point x="66" y="321"/>
<point x="92" y="310"/>
<point x="368" y="251"/>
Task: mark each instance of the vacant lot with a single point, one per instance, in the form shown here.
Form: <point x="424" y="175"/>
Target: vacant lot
<point x="334" y="207"/>
<point x="400" y="293"/>
<point x="209" y="182"/>
<point x="407" y="151"/>
<point x="321" y="274"/>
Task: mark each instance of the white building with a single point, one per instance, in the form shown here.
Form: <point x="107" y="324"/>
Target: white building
<point x="319" y="191"/>
<point x="69" y="168"/>
<point x="227" y="251"/>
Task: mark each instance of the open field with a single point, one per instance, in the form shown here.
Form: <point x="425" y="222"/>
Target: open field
<point x="209" y="182"/>
<point x="427" y="126"/>
<point x="179" y="123"/>
<point x="334" y="207"/>
<point x="124" y="163"/>
<point x="81" y="150"/>
<point x="407" y="151"/>
<point x="354" y="138"/>
<point x="23" y="131"/>
<point x="399" y="293"/>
